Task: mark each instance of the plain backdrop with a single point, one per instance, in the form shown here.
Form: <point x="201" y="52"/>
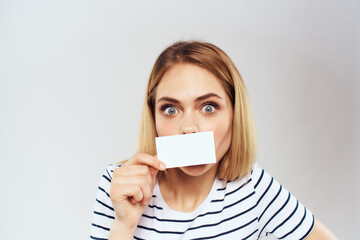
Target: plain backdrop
<point x="72" y="84"/>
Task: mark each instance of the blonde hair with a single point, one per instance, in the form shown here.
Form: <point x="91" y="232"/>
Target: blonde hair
<point x="238" y="160"/>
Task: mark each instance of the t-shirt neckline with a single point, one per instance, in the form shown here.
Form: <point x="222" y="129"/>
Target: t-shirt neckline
<point x="212" y="195"/>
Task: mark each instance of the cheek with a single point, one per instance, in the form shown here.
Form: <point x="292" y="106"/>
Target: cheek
<point x="164" y="127"/>
<point x="222" y="137"/>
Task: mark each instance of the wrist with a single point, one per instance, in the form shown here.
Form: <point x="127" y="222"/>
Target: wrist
<point x="121" y="230"/>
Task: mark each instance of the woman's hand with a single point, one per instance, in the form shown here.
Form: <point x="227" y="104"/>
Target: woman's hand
<point x="131" y="189"/>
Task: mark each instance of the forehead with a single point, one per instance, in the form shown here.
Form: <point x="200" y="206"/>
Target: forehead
<point x="187" y="80"/>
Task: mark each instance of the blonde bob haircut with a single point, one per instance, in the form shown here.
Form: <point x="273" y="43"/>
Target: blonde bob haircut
<point x="238" y="160"/>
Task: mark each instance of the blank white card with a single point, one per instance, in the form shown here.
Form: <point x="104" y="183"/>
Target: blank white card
<point x="186" y="149"/>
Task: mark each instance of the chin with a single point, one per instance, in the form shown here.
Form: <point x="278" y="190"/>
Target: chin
<point x="197" y="170"/>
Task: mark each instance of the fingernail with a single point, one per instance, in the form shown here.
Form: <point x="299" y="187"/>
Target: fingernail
<point x="162" y="166"/>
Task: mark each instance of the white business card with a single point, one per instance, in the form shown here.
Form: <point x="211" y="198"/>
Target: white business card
<point x="186" y="149"/>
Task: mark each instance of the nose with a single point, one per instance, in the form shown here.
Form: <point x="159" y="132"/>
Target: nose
<point x="189" y="124"/>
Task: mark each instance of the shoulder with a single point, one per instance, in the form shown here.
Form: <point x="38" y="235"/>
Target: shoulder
<point x="257" y="176"/>
<point x="280" y="213"/>
<point x="262" y="181"/>
<point x="242" y="188"/>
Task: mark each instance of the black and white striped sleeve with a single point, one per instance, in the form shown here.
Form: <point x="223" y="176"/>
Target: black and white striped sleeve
<point x="104" y="214"/>
<point x="280" y="213"/>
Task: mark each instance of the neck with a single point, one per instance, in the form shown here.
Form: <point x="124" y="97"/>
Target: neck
<point x="184" y="193"/>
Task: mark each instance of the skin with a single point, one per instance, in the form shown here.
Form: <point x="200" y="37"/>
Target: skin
<point x="189" y="99"/>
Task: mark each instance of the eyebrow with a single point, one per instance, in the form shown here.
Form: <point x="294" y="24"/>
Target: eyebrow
<point x="198" y="99"/>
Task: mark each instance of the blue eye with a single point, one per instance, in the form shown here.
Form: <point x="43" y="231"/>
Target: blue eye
<point x="170" y="111"/>
<point x="208" y="109"/>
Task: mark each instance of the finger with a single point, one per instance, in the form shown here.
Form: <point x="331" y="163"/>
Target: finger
<point x="146" y="159"/>
<point x="142" y="181"/>
<point x="125" y="192"/>
<point x="138" y="196"/>
<point x="133" y="170"/>
<point x="132" y="175"/>
<point x="163" y="165"/>
<point x="133" y="201"/>
<point x="143" y="196"/>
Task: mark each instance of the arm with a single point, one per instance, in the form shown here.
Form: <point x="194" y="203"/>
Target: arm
<point x="320" y="231"/>
<point x="117" y="232"/>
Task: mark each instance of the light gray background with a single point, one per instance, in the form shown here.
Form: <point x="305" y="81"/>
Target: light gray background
<point x="72" y="81"/>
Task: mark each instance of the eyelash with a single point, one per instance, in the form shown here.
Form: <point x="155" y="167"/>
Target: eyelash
<point x="165" y="106"/>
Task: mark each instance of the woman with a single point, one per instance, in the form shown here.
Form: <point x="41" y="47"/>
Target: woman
<point x="195" y="87"/>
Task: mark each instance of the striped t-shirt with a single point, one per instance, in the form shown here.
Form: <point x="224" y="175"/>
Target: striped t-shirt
<point x="249" y="208"/>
